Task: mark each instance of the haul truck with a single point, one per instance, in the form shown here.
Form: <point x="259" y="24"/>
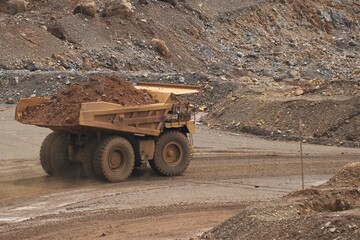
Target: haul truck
<point x="109" y="140"/>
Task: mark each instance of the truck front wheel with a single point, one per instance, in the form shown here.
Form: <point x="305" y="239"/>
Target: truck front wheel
<point x="114" y="159"/>
<point x="172" y="154"/>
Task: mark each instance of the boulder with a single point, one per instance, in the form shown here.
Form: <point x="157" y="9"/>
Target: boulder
<point x="120" y="8"/>
<point x="13" y="6"/>
<point x="161" y="47"/>
<point x="86" y="7"/>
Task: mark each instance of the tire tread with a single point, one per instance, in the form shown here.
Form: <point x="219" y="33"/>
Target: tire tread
<point x="101" y="152"/>
<point x="157" y="163"/>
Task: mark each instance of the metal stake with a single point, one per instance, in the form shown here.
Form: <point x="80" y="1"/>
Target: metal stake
<point x="301" y="153"/>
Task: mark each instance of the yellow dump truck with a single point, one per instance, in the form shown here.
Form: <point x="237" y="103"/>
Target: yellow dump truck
<point x="110" y="140"/>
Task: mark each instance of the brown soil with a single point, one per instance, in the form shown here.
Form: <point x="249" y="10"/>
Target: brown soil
<point x="64" y="107"/>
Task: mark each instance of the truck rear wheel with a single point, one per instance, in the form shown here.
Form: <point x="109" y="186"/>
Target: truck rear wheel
<point x="87" y="158"/>
<point x="114" y="159"/>
<point x="45" y="152"/>
<point x="59" y="155"/>
<point x="59" y="160"/>
<point x="172" y="154"/>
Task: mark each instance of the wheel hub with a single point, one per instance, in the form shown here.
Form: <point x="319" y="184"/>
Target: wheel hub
<point x="116" y="160"/>
<point x="172" y="153"/>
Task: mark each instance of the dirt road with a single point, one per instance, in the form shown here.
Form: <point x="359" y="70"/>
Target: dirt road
<point x="228" y="173"/>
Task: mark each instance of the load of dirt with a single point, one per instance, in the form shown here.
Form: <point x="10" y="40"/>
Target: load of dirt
<point x="64" y="108"/>
<point x="316" y="213"/>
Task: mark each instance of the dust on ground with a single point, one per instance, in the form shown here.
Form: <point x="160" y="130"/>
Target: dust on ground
<point x="64" y="107"/>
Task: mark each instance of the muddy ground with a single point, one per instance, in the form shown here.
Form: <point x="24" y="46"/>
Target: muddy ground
<point x="222" y="180"/>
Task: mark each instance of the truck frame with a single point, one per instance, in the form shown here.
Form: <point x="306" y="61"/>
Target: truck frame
<point x="110" y="140"/>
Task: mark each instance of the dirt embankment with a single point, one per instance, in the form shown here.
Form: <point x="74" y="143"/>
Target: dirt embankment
<point x="317" y="213"/>
<point x="64" y="107"/>
<point x="331" y="120"/>
<point x="303" y="66"/>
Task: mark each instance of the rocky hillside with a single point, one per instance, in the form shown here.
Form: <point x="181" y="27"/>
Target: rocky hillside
<point x="263" y="64"/>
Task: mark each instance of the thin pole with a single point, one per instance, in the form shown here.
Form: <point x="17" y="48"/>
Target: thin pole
<point x="301" y="153"/>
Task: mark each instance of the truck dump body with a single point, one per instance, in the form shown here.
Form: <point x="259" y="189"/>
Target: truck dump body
<point x="144" y="119"/>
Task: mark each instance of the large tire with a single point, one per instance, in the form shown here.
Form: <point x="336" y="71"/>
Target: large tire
<point x="172" y="154"/>
<point x="114" y="159"/>
<point x="87" y="158"/>
<point x="60" y="164"/>
<point x="154" y="167"/>
<point x="45" y="152"/>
